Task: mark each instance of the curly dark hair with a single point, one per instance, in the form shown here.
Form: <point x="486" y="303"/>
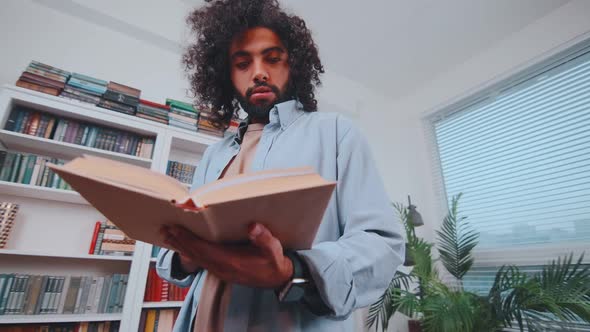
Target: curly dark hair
<point x="207" y="60"/>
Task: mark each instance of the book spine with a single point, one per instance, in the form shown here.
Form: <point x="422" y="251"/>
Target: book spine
<point x="99" y="238"/>
<point x="37" y="87"/>
<point x="94" y="237"/>
<point x="9" y="279"/>
<point x="64" y="293"/>
<point x="45" y="74"/>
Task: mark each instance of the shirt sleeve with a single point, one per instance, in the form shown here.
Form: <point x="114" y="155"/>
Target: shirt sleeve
<point x="355" y="270"/>
<point x="168" y="268"/>
<point x="168" y="262"/>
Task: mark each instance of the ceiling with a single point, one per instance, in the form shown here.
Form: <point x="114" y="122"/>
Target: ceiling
<point x="396" y="46"/>
<point x="390" y="46"/>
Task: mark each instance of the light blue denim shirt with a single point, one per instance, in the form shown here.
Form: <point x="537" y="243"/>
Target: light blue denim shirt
<point x="359" y="244"/>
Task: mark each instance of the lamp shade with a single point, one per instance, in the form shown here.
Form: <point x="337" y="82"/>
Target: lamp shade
<point x="413" y="215"/>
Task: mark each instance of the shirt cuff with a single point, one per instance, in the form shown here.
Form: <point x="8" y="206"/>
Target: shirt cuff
<point x="311" y="298"/>
<point x="176" y="271"/>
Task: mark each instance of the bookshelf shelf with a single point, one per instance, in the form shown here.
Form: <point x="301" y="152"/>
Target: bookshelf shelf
<point x="164" y="304"/>
<point x="102" y="116"/>
<point x="48" y="213"/>
<point x="43" y="146"/>
<point x="26" y="190"/>
<point x="35" y="253"/>
<point x="30" y="319"/>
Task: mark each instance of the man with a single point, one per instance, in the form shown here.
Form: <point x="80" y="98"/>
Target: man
<point x="251" y="54"/>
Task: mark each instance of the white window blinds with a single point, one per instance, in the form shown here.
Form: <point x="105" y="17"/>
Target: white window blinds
<point x="520" y="154"/>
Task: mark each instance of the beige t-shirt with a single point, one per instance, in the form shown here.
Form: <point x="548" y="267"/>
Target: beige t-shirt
<point x="215" y="295"/>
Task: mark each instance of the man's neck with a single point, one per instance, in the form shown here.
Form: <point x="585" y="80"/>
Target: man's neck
<point x="264" y="120"/>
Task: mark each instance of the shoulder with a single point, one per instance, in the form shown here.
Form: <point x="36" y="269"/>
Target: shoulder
<point x="222" y="144"/>
<point x="337" y="123"/>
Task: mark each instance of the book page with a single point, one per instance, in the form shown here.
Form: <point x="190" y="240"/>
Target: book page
<point x="256" y="184"/>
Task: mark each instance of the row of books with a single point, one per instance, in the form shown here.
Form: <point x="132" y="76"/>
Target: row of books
<point x="116" y="97"/>
<point x="160" y="290"/>
<point x="65" y="327"/>
<point x="8" y="213"/>
<point x="55" y="81"/>
<point x="207" y="126"/>
<point x="181" y="171"/>
<point x="182" y="115"/>
<point x="43" y="78"/>
<point x="27" y="168"/>
<point x="109" y="240"/>
<point x="32" y="122"/>
<point x="22" y="294"/>
<point x="153" y="111"/>
<point x="157" y="320"/>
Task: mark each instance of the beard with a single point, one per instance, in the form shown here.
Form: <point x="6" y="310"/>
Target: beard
<point x="262" y="109"/>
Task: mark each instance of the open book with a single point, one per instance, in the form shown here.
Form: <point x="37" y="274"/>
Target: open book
<point x="290" y="202"/>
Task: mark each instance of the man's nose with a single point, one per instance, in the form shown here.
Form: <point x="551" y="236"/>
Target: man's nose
<point x="260" y="72"/>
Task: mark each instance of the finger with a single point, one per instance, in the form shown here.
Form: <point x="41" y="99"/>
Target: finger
<point x="193" y="246"/>
<point x="262" y="238"/>
<point x="168" y="238"/>
<point x="180" y="240"/>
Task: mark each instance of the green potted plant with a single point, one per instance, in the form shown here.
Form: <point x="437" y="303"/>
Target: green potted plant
<point x="559" y="293"/>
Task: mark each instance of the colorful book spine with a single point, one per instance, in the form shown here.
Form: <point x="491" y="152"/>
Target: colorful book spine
<point x="8" y="212"/>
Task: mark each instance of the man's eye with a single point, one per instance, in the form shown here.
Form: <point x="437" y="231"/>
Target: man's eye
<point x="274" y="60"/>
<point x="242" y="65"/>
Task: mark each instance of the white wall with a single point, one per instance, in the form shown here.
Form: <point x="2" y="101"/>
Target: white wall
<point x="31" y="31"/>
<point x="398" y="134"/>
<point x="399" y="138"/>
<point x="394" y="128"/>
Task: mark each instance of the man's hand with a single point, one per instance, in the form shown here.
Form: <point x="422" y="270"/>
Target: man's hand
<point x="260" y="264"/>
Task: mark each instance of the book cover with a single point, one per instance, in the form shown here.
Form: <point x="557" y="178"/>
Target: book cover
<point x="6" y="292"/>
<point x="94" y="237"/>
<point x="49" y="68"/>
<point x="87" y="86"/>
<point x="290" y="202"/>
<point x="154" y="105"/>
<point x="37" y="87"/>
<point x="150" y="320"/>
<point x="90" y="79"/>
<point x="45" y="73"/>
<point x="41" y="80"/>
<point x="121" y="98"/>
<point x="72" y="295"/>
<point x="8" y="213"/>
<point x="124" y="89"/>
<point x="173" y="103"/>
<point x="114" y="106"/>
<point x="32" y="297"/>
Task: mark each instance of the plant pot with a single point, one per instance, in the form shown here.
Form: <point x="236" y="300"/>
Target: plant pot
<point x="414" y="326"/>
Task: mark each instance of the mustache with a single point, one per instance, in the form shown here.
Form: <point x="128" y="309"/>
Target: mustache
<point x="273" y="88"/>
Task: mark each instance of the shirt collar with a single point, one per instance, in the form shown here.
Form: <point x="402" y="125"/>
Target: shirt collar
<point x="282" y="114"/>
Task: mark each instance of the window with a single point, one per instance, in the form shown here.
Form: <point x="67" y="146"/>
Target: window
<point x="520" y="154"/>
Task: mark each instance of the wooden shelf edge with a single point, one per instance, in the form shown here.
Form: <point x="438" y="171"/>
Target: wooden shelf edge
<point x="34" y="253"/>
<point x="163" y="304"/>
<point x="62" y="318"/>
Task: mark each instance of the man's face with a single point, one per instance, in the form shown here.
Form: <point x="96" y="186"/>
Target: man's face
<point x="259" y="70"/>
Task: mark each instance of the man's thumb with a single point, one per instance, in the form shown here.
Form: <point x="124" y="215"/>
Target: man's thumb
<point x="261" y="237"/>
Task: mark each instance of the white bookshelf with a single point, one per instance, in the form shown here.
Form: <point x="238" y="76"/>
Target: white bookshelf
<point x="37" y="253"/>
<point x="31" y="319"/>
<point x="164" y="304"/>
<point x="53" y="228"/>
<point x="62" y="150"/>
<point x="25" y="190"/>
